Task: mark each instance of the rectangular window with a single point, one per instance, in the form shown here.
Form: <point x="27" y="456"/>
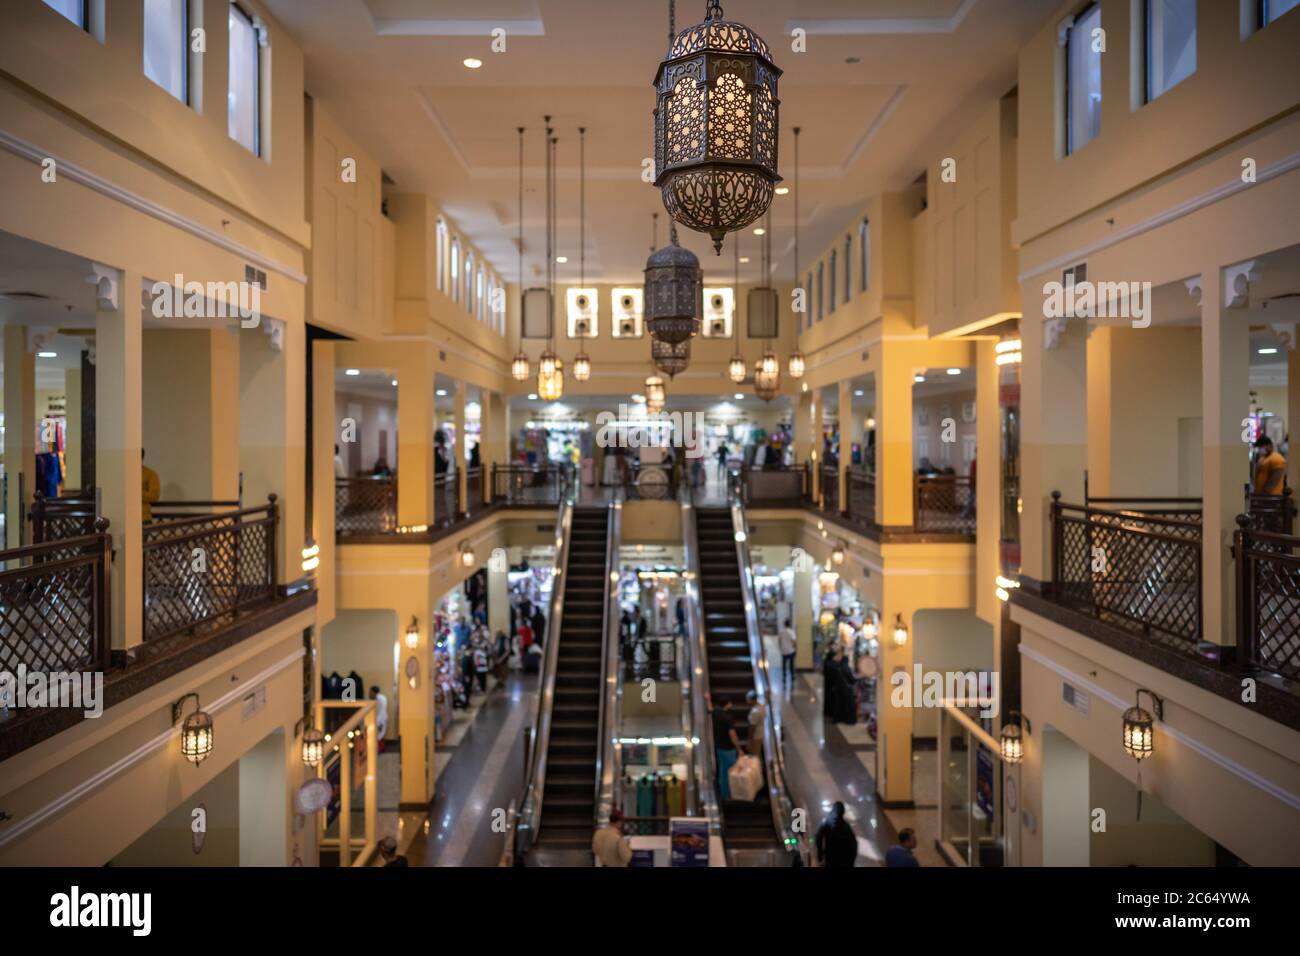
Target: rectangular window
<point x="74" y="10"/>
<point x="1270" y="10"/>
<point x="165" y="50"/>
<point x="245" y="81"/>
<point x="864" y="246"/>
<point x="1171" y="44"/>
<point x="1082" y="80"/>
<point x="848" y="268"/>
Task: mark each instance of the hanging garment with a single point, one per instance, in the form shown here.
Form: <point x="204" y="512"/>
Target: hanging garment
<point x="676" y="795"/>
<point x="661" y="795"/>
<point x="645" y="796"/>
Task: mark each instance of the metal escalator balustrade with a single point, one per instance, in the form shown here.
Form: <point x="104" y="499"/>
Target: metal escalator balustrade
<point x="570" y="767"/>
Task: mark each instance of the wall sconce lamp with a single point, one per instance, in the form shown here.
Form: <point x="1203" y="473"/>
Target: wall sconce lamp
<point x="413" y="633"/>
<point x="466" y="555"/>
<point x="1012" y="742"/>
<point x="313" y="743"/>
<point x="1004" y="587"/>
<point x="196" y="731"/>
<point x="900" y="631"/>
<point x="837" y="554"/>
<point x="1139" y="725"/>
<point x="310" y="556"/>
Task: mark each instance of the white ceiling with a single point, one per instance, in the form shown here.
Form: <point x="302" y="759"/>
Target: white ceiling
<point x="391" y="72"/>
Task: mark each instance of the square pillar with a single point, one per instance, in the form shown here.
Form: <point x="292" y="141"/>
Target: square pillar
<point x="894" y="724"/>
<point x="118" y="428"/>
<point x="415" y="425"/>
<point x="1054" y="421"/>
<point x="847" y="419"/>
<point x="1225" y="390"/>
<point x="988" y="482"/>
<point x="805" y="614"/>
<point x="804" y="417"/>
<point x="20" y="432"/>
<point x="415" y="706"/>
<point x="459" y="446"/>
<point x="894" y="472"/>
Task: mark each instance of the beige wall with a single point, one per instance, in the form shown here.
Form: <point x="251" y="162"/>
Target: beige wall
<point x="363" y="641"/>
<point x="171" y="842"/>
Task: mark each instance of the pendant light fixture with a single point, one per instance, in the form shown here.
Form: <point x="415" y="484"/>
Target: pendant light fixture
<point x="519" y="369"/>
<point x="767" y="370"/>
<point x="797" y="364"/>
<point x="737" y="370"/>
<point x="716" y="125"/>
<point x="674" y="292"/>
<point x="670" y="358"/>
<point x="655" y="395"/>
<point x="582" y="361"/>
<point x="550" y="368"/>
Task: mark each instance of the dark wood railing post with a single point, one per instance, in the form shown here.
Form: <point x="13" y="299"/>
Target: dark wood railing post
<point x="1244" y="616"/>
<point x="103" y="579"/>
<point x="273" y="515"/>
<point x="1055" y="519"/>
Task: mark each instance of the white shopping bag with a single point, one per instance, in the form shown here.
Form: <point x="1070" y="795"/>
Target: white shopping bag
<point x="745" y="778"/>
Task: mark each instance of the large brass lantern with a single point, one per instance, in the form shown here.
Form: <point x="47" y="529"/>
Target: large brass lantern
<point x="550" y="377"/>
<point x="670" y="358"/>
<point x="767" y="380"/>
<point x="674" y="293"/>
<point x="716" y="126"/>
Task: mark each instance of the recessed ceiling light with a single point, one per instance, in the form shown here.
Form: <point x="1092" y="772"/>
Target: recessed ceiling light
<point x="532" y="396"/>
<point x="561" y="259"/>
<point x="1269" y="351"/>
<point x="782" y="190"/>
<point x="739" y="396"/>
<point x="472" y="62"/>
<point x="918" y="378"/>
<point x="353" y="371"/>
<point x="858" y="392"/>
<point x="744" y="260"/>
<point x="56" y="354"/>
<point x="760" y="231"/>
<point x="954" y="371"/>
<point x="440" y="392"/>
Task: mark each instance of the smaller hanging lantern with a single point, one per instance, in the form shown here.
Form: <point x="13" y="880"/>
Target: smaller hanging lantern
<point x="581" y="367"/>
<point x="737" y="370"/>
<point x="519" y="369"/>
<point x="413" y="633"/>
<point x="655" y="395"/>
<point x="671" y="358"/>
<point x="1139" y="726"/>
<point x="550" y="387"/>
<point x="196" y="731"/>
<point x="767" y="379"/>
<point x="674" y="293"/>
<point x="770" y="363"/>
<point x="547" y="363"/>
<point x="313" y="746"/>
<point x="796" y="365"/>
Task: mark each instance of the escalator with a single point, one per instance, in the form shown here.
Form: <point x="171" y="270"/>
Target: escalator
<point x="557" y="820"/>
<point x="746" y="826"/>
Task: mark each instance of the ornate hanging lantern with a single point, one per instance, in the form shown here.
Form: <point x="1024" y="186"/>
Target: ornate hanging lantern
<point x="671" y="358"/>
<point x="655" y="395"/>
<point x="550" y="370"/>
<point x="674" y="293"/>
<point x="582" y="361"/>
<point x="1139" y="726"/>
<point x="581" y="367"/>
<point x="519" y="369"/>
<point x="716" y="125"/>
<point x="550" y="384"/>
<point x="737" y="370"/>
<point x="767" y="380"/>
<point x="796" y="365"/>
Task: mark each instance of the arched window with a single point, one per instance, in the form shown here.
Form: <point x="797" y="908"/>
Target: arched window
<point x="455" y="270"/>
<point x="469" y="282"/>
<point x="442" y="256"/>
<point x="864" y="249"/>
<point x="848" y="268"/>
<point x="835" y="263"/>
<point x="480" y="298"/>
<point x="821" y="290"/>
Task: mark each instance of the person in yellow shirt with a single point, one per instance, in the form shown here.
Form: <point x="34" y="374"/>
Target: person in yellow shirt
<point x="150" y="489"/>
<point x="1270" y="468"/>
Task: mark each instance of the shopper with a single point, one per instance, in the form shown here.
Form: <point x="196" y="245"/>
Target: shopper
<point x="725" y="742"/>
<point x="609" y="845"/>
<point x="482" y="661"/>
<point x="902" y="855"/>
<point x="388" y="851"/>
<point x="756" y="717"/>
<point x="722" y="455"/>
<point x="467" y="669"/>
<point x="501" y="657"/>
<point x="786" y="641"/>
<point x="1270" y="468"/>
<point x="837" y="846"/>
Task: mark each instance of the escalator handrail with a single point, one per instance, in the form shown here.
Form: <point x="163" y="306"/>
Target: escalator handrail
<point x="611" y="688"/>
<point x="781" y="799"/>
<point x="700" y="731"/>
<point x="530" y="814"/>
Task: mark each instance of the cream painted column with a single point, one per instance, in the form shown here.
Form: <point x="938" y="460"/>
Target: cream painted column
<point x="324" y="438"/>
<point x="72" y="447"/>
<point x="1225" y="390"/>
<point x="460" y="445"/>
<point x="20" y="432"/>
<point x="415" y="714"/>
<point x="1293" y="417"/>
<point x="224" y="416"/>
<point x="272" y="416"/>
<point x="894" y="472"/>
<point x="846" y="442"/>
<point x="988" y="482"/>
<point x="1054" y="418"/>
<point x="804" y="617"/>
<point x="415" y="425"/>
<point x="118" y="424"/>
<point x="495" y="435"/>
<point x="894" y="723"/>
<point x="803" y="427"/>
<point x="498" y="593"/>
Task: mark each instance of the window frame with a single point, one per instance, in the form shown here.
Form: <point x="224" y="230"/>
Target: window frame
<point x="454" y="271"/>
<point x="184" y="96"/>
<point x="83" y="23"/>
<point x="1147" y="48"/>
<point x="441" y="236"/>
<point x="864" y="250"/>
<point x="821" y="291"/>
<point x="258" y="45"/>
<point x="1085" y="12"/>
<point x="848" y="268"/>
